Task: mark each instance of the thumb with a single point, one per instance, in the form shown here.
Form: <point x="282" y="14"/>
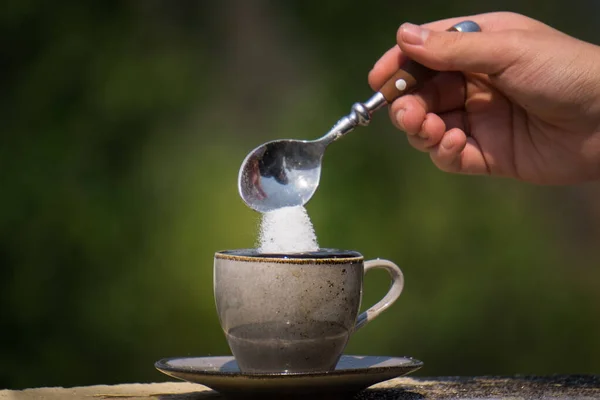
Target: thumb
<point x="481" y="52"/>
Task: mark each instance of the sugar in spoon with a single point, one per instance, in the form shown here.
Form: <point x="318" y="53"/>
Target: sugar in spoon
<point x="286" y="173"/>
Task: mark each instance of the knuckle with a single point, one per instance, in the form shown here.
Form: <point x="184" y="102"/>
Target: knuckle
<point x="371" y="78"/>
<point x="399" y="34"/>
<point x="511" y="49"/>
<point x="446" y="45"/>
<point x="509" y="18"/>
<point x="417" y="143"/>
<point x="443" y="164"/>
<point x="510" y="15"/>
<point x="400" y="103"/>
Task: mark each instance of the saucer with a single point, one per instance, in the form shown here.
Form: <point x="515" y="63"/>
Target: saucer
<point x="351" y="375"/>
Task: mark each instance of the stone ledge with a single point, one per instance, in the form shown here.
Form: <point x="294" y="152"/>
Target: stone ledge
<point x="517" y="387"/>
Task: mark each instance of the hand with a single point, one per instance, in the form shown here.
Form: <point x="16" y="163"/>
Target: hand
<point x="524" y="102"/>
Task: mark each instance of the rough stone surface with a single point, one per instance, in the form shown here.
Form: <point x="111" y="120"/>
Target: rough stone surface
<point x="517" y="387"/>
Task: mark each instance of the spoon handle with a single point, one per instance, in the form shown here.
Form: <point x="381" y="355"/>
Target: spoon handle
<point x="407" y="79"/>
<point x="412" y="75"/>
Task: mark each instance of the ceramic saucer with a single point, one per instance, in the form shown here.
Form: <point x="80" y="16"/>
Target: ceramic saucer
<point x="351" y="375"/>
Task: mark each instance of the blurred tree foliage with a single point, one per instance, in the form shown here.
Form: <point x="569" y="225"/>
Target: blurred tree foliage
<point x="123" y="125"/>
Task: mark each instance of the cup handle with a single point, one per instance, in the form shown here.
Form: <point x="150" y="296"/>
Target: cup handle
<point x="390" y="297"/>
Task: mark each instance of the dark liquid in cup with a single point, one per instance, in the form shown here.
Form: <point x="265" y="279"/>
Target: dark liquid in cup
<point x="321" y="253"/>
<point x="287" y="347"/>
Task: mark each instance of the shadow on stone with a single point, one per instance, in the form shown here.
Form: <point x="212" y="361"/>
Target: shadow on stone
<point x="370" y="394"/>
<point x="388" y="394"/>
<point x="191" y="396"/>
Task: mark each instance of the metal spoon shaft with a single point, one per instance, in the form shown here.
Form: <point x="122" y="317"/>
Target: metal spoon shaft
<point x="360" y="115"/>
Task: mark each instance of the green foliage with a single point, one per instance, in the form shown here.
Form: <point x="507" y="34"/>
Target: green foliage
<point x="123" y="125"/>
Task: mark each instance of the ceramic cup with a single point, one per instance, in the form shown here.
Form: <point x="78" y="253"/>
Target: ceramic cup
<point x="294" y="312"/>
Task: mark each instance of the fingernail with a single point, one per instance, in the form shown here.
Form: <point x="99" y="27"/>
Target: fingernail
<point x="399" y="116"/>
<point x="447" y="142"/>
<point x="413" y="34"/>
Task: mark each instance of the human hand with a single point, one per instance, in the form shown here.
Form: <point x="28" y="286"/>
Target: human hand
<point x="519" y="99"/>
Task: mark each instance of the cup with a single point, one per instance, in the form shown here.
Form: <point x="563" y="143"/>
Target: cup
<point x="294" y="312"/>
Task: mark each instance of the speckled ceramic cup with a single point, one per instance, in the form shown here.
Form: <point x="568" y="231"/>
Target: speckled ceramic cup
<point x="294" y="312"/>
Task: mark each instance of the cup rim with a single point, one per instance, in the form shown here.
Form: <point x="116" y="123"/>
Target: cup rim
<point x="252" y="255"/>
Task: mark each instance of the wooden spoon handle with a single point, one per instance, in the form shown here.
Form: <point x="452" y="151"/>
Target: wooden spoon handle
<point x="412" y="75"/>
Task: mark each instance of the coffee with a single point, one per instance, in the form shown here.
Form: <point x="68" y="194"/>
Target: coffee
<point x="318" y="254"/>
<point x="278" y="346"/>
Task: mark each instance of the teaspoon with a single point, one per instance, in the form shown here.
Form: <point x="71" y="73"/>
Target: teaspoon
<point x="286" y="173"/>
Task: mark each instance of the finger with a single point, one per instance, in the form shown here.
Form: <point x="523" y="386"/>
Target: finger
<point x="458" y="153"/>
<point x="429" y="136"/>
<point x="391" y="61"/>
<point x="456" y="119"/>
<point x="409" y="117"/>
<point x="444" y="93"/>
<point x="447" y="156"/>
<point x="385" y="67"/>
<point x="480" y="52"/>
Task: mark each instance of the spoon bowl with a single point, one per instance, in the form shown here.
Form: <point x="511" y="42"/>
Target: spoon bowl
<point x="281" y="173"/>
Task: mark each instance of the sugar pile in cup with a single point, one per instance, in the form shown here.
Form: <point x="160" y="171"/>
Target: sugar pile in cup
<point x="287" y="230"/>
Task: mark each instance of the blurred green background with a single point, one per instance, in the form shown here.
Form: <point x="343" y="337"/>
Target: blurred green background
<point x="123" y="125"/>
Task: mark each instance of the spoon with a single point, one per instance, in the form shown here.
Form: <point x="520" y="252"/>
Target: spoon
<point x="286" y="173"/>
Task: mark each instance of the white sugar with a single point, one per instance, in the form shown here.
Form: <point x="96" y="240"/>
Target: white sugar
<point x="287" y="230"/>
